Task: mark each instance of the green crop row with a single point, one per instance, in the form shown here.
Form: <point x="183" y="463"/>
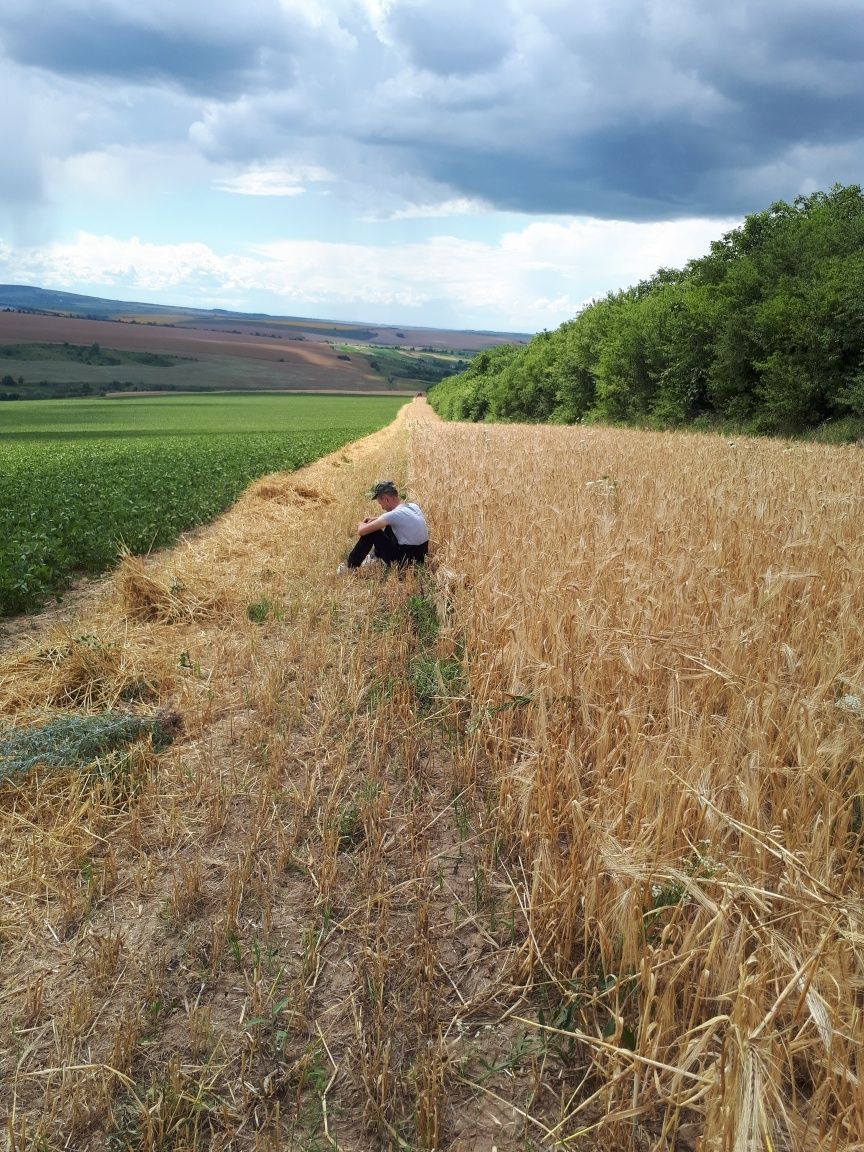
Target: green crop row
<point x="68" y="505"/>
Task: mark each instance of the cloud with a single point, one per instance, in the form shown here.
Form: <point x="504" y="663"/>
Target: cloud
<point x="90" y="259"/>
<point x="273" y="181"/>
<point x="642" y="110"/>
<point x="533" y="277"/>
<point x="21" y="171"/>
<point x="193" y="46"/>
<point x="449" y="37"/>
<point x="118" y="174"/>
<point x="403" y="112"/>
<point x="433" y="211"/>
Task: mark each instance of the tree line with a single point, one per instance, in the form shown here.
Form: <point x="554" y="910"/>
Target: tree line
<point x="765" y="333"/>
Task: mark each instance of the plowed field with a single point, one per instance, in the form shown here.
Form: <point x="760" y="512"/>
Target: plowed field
<point x="307" y="364"/>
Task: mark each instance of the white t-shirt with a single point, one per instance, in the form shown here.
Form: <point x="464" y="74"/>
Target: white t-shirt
<point x="407" y="523"/>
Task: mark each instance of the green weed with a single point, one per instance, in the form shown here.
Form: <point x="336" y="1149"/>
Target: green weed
<point x="424" y="619"/>
<point x="76" y="741"/>
<point x="434" y="681"/>
<point x="262" y="610"/>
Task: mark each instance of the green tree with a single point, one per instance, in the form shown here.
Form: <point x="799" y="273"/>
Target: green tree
<point x="766" y="331"/>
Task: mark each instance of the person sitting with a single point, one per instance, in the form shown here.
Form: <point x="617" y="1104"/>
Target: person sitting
<point x="398" y="536"/>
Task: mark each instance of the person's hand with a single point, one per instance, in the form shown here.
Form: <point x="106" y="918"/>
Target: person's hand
<point x="367" y="519"/>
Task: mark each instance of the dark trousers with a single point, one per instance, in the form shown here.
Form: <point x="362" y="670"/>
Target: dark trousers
<point x="387" y="548"/>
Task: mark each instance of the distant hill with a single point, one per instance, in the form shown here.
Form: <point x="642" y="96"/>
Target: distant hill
<point x="95" y="307"/>
<point x="55" y="344"/>
<point x="44" y="301"/>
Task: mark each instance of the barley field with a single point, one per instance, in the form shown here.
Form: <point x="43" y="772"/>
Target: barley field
<point x="557" y="844"/>
<point x="665" y="661"/>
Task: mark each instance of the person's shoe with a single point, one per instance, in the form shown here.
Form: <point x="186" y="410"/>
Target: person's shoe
<point x="372" y="561"/>
<point x="342" y="569"/>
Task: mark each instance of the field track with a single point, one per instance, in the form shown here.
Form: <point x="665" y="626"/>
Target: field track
<point x="556" y="845"/>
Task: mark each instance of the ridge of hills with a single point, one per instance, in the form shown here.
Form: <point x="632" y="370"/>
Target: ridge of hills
<point x="61" y="344"/>
<point x="26" y="297"/>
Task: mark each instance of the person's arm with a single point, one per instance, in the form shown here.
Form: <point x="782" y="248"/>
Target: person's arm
<point x="366" y="525"/>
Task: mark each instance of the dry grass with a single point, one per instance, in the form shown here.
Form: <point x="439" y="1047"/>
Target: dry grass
<point x="572" y="860"/>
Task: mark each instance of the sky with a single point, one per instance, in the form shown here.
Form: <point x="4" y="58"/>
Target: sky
<point x="447" y="163"/>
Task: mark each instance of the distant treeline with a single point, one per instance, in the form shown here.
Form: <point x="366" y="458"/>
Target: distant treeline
<point x="765" y="333"/>
<point x="14" y="356"/>
<point x="87" y="354"/>
<point x="10" y="389"/>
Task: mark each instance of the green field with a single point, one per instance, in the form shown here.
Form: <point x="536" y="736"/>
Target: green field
<point x="80" y="478"/>
<point x="404" y="368"/>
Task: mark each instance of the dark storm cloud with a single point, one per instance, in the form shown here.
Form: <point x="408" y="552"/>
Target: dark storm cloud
<point x="623" y="174"/>
<point x="450" y="37"/>
<point x="650" y="110"/>
<point x="132" y="45"/>
<point x="638" y="109"/>
<point x="663" y="167"/>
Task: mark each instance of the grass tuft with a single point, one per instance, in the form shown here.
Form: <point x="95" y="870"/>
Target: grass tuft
<point x="424" y="618"/>
<point x="71" y="741"/>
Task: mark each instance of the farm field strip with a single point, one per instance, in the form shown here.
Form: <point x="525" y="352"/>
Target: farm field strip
<point x="81" y="478"/>
<point x="204" y="371"/>
<point x="214" y="372"/>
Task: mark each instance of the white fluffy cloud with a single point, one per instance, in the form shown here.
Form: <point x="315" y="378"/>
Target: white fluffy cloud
<point x="273" y="181"/>
<point x="532" y="278"/>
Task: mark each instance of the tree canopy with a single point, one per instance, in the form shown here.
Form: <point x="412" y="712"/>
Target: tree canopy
<point x="765" y="332"/>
